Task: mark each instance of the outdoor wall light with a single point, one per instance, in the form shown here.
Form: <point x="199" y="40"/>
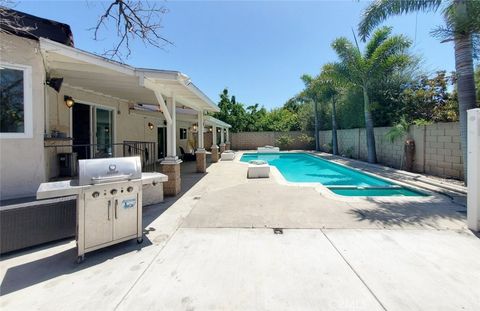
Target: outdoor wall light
<point x="210" y="129"/>
<point x="69" y="102"/>
<point x="194" y="127"/>
<point x="150" y="125"/>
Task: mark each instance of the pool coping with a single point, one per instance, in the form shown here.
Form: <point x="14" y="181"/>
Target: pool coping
<point x="432" y="197"/>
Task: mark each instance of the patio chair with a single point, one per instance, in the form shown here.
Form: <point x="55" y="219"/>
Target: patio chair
<point x="187" y="156"/>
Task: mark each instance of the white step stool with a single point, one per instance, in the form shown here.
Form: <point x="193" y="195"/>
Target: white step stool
<point x="258" y="169"/>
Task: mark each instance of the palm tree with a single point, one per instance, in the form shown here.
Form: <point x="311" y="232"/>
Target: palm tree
<point x="462" y="25"/>
<point x="310" y="93"/>
<point x="384" y="54"/>
<point x="330" y="87"/>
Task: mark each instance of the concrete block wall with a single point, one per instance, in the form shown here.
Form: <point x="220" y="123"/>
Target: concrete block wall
<point x="443" y="154"/>
<point x="252" y="140"/>
<point x="437" y="148"/>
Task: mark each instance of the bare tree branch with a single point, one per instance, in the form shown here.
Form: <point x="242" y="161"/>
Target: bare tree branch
<point x="132" y="20"/>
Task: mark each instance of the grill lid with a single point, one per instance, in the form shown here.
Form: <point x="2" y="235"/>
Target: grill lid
<point x="98" y="171"/>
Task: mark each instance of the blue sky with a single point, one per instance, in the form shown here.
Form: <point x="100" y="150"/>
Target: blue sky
<point x="258" y="50"/>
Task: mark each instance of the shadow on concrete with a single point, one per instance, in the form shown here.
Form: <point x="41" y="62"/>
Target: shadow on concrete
<point x="46" y="268"/>
<point x="405" y="214"/>
<point x="64" y="262"/>
<point x="189" y="176"/>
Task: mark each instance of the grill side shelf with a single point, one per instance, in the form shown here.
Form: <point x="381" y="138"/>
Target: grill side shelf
<point x="58" y="189"/>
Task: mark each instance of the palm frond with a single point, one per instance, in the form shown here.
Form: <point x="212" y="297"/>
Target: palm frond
<point x="461" y="18"/>
<point x="380" y="10"/>
<point x="398" y="130"/>
<point x="351" y="60"/>
<point x="391" y="54"/>
<point x="378" y="37"/>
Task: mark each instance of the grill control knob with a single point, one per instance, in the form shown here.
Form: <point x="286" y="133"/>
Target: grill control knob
<point x="130" y="189"/>
<point x="113" y="191"/>
<point x="96" y="194"/>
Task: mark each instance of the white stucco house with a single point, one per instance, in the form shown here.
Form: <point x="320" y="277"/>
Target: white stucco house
<point x="57" y="99"/>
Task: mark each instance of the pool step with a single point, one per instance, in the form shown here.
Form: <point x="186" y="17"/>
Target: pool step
<point x="365" y="187"/>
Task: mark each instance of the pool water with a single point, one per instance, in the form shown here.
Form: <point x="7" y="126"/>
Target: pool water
<point x="302" y="167"/>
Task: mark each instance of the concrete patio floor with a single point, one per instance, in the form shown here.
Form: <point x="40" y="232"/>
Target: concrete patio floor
<point x="213" y="248"/>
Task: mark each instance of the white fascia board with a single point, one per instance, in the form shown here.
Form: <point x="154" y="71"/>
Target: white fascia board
<point x="183" y="80"/>
<point x="211" y="105"/>
<point x="157" y="74"/>
<point x="47" y="45"/>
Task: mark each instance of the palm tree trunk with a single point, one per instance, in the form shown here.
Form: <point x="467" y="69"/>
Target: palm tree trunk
<point x="466" y="88"/>
<point x="317" y="139"/>
<point x="371" y="150"/>
<point x="334" y="128"/>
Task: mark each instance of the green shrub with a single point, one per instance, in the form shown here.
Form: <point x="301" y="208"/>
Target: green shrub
<point x="307" y="140"/>
<point x="284" y="141"/>
<point x="349" y="152"/>
<point x="327" y="147"/>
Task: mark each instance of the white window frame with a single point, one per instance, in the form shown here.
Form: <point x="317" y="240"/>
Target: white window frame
<point x="27" y="102"/>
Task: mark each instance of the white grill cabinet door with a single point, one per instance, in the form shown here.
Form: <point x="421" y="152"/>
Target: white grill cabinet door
<point x="126" y="213"/>
<point x="98" y="220"/>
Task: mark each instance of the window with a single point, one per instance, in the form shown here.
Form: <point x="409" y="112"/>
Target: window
<point x="183" y="134"/>
<point x="15" y="101"/>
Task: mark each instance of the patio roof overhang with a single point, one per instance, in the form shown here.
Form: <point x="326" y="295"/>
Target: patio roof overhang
<point x="84" y="70"/>
<point x="189" y="115"/>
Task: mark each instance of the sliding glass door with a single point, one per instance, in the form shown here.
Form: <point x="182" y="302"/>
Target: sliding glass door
<point x="103" y="127"/>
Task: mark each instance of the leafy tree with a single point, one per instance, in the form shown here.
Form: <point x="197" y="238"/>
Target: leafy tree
<point x="350" y="114"/>
<point x="231" y="112"/>
<point x="462" y="25"/>
<point x="429" y="99"/>
<point x="280" y="120"/>
<point x="293" y="104"/>
<point x="383" y="55"/>
<point x="254" y="116"/>
<point x="306" y="117"/>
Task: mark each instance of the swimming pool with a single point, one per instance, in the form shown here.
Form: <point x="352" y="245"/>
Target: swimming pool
<point x="302" y="167"/>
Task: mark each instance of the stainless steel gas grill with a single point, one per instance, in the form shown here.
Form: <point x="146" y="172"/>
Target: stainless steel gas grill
<point x="109" y="200"/>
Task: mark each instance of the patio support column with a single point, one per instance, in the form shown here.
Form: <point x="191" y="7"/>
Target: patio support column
<point x="227" y="143"/>
<point x="222" y="139"/>
<point x="214" y="144"/>
<point x="201" y="154"/>
<point x="171" y="164"/>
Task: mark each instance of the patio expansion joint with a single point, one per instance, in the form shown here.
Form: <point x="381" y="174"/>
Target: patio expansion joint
<point x="353" y="270"/>
<point x="145" y="270"/>
<point x="157" y="254"/>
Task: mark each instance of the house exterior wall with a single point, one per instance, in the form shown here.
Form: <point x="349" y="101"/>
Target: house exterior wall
<point x="22" y="159"/>
<point x="128" y="125"/>
<point x="184" y="142"/>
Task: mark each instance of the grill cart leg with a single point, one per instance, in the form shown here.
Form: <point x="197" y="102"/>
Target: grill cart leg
<point x="80" y="259"/>
<point x="139" y="240"/>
